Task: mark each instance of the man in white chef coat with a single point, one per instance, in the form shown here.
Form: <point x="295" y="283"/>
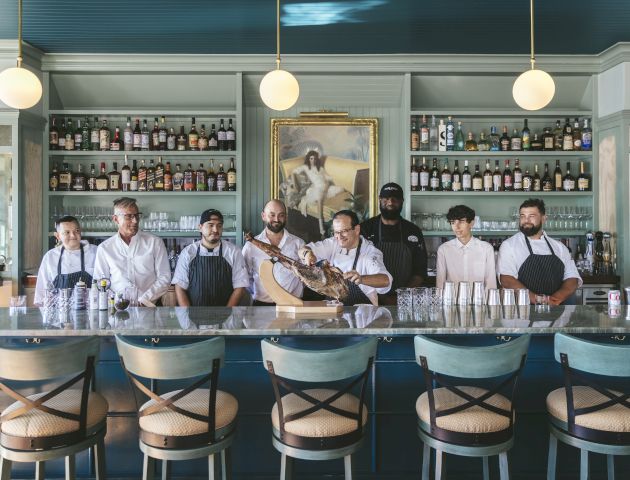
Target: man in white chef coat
<point x="133" y="257"/>
<point x="361" y="262"/>
<point x="274" y="216"/>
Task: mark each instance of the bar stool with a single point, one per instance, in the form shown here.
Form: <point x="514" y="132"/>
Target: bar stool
<point x="56" y="423"/>
<point x="318" y="423"/>
<point x="588" y="415"/>
<point x="182" y="424"/>
<point x="468" y="420"/>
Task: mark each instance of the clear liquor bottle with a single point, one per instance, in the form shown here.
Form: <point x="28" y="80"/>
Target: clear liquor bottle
<point x="423" y="176"/>
<point x="125" y="176"/>
<point x="433" y="135"/>
<point x="171" y="140"/>
<point x="128" y="136"/>
<point x="495" y="142"/>
<point x="459" y="138"/>
<point x="450" y="134"/>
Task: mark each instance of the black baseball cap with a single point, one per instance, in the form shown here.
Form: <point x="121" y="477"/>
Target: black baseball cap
<point x="208" y="214"/>
<point x="391" y="190"/>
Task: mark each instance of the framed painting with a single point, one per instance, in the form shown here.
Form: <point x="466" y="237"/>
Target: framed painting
<point x="323" y="164"/>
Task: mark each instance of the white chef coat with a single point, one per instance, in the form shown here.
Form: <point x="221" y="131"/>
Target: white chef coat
<point x="143" y="263"/>
<point x="370" y="262"/>
<point x="473" y="262"/>
<point x="231" y="253"/>
<point x="514" y="252"/>
<point x="70" y="263"/>
<point x="254" y="256"/>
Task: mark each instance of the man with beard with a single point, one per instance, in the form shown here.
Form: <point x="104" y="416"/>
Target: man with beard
<point x="532" y="260"/>
<point x="274" y="217"/>
<point x="210" y="272"/>
<point x="401" y="242"/>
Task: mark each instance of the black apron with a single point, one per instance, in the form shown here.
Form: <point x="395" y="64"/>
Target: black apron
<point x="356" y="295"/>
<point x="541" y="273"/>
<point x="398" y="261"/>
<point x="209" y="280"/>
<point x="68" y="280"/>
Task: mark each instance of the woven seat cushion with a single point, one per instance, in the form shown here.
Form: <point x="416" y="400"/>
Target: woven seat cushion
<point x="612" y="419"/>
<point x="37" y="424"/>
<point x="169" y="423"/>
<point x="471" y="420"/>
<point x="321" y="423"/>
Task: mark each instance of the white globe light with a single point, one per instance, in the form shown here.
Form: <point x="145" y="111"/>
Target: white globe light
<point x="19" y="88"/>
<point x="279" y="90"/>
<point x="533" y="89"/>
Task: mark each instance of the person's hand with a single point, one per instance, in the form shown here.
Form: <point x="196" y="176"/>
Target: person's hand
<point x="307" y="257"/>
<point x="553" y="300"/>
<point x="146" y="303"/>
<point x="353" y="276"/>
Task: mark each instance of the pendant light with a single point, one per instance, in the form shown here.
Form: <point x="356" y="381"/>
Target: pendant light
<point x="534" y="88"/>
<point x="279" y="89"/>
<point x="19" y="88"/>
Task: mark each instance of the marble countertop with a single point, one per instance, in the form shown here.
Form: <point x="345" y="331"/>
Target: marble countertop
<point x="359" y="320"/>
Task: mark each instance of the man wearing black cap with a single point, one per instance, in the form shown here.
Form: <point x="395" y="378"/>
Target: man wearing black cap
<point x="402" y="243"/>
<point x="211" y="271"/>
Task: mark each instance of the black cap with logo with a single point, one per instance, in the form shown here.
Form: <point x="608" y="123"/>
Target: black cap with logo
<point x="391" y="190"/>
<point x="208" y="214"/>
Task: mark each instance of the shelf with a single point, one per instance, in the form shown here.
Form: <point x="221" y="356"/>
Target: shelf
<point x="172" y="234"/>
<point x="501" y="194"/>
<point x="150" y="153"/>
<point x="508" y="112"/>
<point x="510" y="154"/>
<point x="148" y="113"/>
<point x="507" y="233"/>
<point x="89" y="193"/>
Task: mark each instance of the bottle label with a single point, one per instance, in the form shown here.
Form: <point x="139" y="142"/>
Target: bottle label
<point x="162" y="136"/>
<point x="133" y="185"/>
<point x="114" y="146"/>
<point x="79" y="184"/>
<point x="193" y="140"/>
<point x="414" y="179"/>
<point x="69" y="142"/>
<point x="128" y="138"/>
<point x="65" y="179"/>
<point x="548" y="143"/>
<point x="103" y="139"/>
<point x="168" y="181"/>
<point x="537" y="185"/>
<point x="415" y="141"/>
<point x="125" y="176"/>
<point x="170" y="143"/>
<point x="507" y="181"/>
<point x="487" y="182"/>
<point x="424" y="136"/>
<point x="558" y="181"/>
<point x="577" y="144"/>
<point x="222" y="135"/>
<point x="78" y="138"/>
<point x="496" y="183"/>
<point x="212" y="142"/>
<point x="203" y="143"/>
<point x="137" y="140"/>
<point x="101" y="184"/>
<point x="424" y="179"/>
<point x="62" y="142"/>
<point x="221" y="184"/>
<point x="456" y="185"/>
<point x="583" y="184"/>
<point x="587" y="140"/>
<point x="53" y="183"/>
<point x="178" y="180"/>
<point x="230" y="135"/>
<point x="505" y="145"/>
<point x="211" y="183"/>
<point x="467" y="182"/>
<point x="155" y="139"/>
<point x="567" y="142"/>
<point x="477" y="184"/>
<point x="446" y="181"/>
<point x="516" y="144"/>
<point x="95" y="136"/>
<point x="518" y="178"/>
<point x="435" y="183"/>
<point x="114" y="182"/>
<point x="568" y="185"/>
<point x="144" y="141"/>
<point x="527" y="184"/>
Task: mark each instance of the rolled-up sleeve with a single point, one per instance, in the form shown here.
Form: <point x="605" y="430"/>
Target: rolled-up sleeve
<point x="162" y="274"/>
<point x="506" y="263"/>
<point x="240" y="277"/>
<point x="374" y="265"/>
<point x="490" y="275"/>
<point x="180" y="277"/>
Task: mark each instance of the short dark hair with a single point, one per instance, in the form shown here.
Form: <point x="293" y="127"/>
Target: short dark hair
<point x="460" y="211"/>
<point x="354" y="219"/>
<point x="66" y="219"/>
<point x="533" y="202"/>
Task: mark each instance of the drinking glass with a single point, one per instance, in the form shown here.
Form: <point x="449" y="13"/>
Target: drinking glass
<point x="463" y="293"/>
<point x="436" y="296"/>
<point x="508" y="296"/>
<point x="17" y="304"/>
<point x="478" y="293"/>
<point x="448" y="294"/>
<point x="420" y="298"/>
<point x="404" y="299"/>
<point x="522" y="295"/>
<point x="493" y="297"/>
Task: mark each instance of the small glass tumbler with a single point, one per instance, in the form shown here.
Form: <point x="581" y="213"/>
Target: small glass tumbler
<point x="404" y="299"/>
<point x="463" y="293"/>
<point x="479" y="295"/>
<point x="508" y="296"/>
<point x="448" y="295"/>
<point x="436" y="297"/>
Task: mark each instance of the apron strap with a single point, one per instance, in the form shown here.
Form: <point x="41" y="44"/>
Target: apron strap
<point x="356" y="255"/>
<point x="529" y="246"/>
<point x="549" y="245"/>
<point x="59" y="262"/>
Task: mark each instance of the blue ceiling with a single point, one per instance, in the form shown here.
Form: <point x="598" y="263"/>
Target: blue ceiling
<point x="318" y="27"/>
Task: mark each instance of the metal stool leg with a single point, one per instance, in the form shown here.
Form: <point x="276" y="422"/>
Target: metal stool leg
<point x="551" y="461"/>
<point x="426" y="461"/>
<point x="286" y="467"/>
<point x="610" y="460"/>
<point x="504" y="467"/>
<point x="148" y="468"/>
<point x="166" y="469"/>
<point x="5" y="469"/>
<point x="70" y="467"/>
<point x="438" y="464"/>
<point x="99" y="460"/>
<point x="213" y="467"/>
<point x="226" y="464"/>
<point x="486" y="469"/>
<point x="347" y="467"/>
<point x="583" y="464"/>
<point x="40" y="470"/>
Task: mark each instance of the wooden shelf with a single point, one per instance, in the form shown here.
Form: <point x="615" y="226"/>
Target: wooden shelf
<point x="150" y="153"/>
<point x="89" y="193"/>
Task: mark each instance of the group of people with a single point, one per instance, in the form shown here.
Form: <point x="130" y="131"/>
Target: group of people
<point x="377" y="257"/>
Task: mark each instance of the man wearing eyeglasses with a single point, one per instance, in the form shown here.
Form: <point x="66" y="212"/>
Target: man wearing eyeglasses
<point x="133" y="257"/>
<point x="361" y="262"/>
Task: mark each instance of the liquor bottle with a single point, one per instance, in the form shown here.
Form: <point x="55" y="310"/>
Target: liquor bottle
<point x="133" y="182"/>
<point x="91" y="181"/>
<point x="79" y="180"/>
<point x="102" y="182"/>
<point x="414" y="175"/>
<point x="504" y="141"/>
<point x="62" y="135"/>
<point x="162" y="133"/>
<point x="142" y="177"/>
<point x="577" y="135"/>
<point x="471" y="145"/>
<point x="104" y="137"/>
<point x="69" y="145"/>
<point x="178" y="178"/>
<point x="145" y="137"/>
<point x="213" y="141"/>
<point x="201" y="179"/>
<point x="548" y="139"/>
<point x="415" y="137"/>
<point x="459" y="138"/>
<point x="423" y="176"/>
<point x="497" y="178"/>
<point x="477" y="180"/>
<point x="547" y="182"/>
<point x="78" y="136"/>
<point x="495" y="142"/>
<point x="526" y="143"/>
<point x="230" y="136"/>
<point x="53" y="179"/>
<point x="424" y="134"/>
<point x="567" y="136"/>
<point x="583" y="180"/>
<point x="128" y="136"/>
<point x="434" y="179"/>
<point x="433" y="135"/>
<point x="516" y="142"/>
<point x="483" y="145"/>
<point x="53" y="136"/>
<point x="188" y="185"/>
<point x="137" y="136"/>
<point x="222" y="136"/>
<point x="151" y="176"/>
<point x="155" y="135"/>
<point x="557" y="136"/>
<point x="117" y="143"/>
<point x="568" y="181"/>
<point x="536" y="181"/>
<point x="487" y="178"/>
<point x="508" y="178"/>
<point x="527" y="181"/>
<point x="193" y="137"/>
<point x="85" y="135"/>
<point x="95" y="136"/>
<point x="221" y="179"/>
<point x="182" y="140"/>
<point x="456" y="179"/>
<point x="450" y="134"/>
<point x="446" y="177"/>
<point x="125" y="176"/>
<point x="557" y="177"/>
<point x="113" y="178"/>
<point x="203" y="139"/>
<point x="212" y="177"/>
<point x="65" y="178"/>
<point x="518" y="175"/>
<point x="537" y="144"/>
<point x="168" y="178"/>
<point x="587" y="137"/>
<point x="466" y="178"/>
<point x="171" y="140"/>
<point x="159" y="176"/>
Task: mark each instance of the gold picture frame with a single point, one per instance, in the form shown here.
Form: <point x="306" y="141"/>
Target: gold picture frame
<point x="322" y="163"/>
